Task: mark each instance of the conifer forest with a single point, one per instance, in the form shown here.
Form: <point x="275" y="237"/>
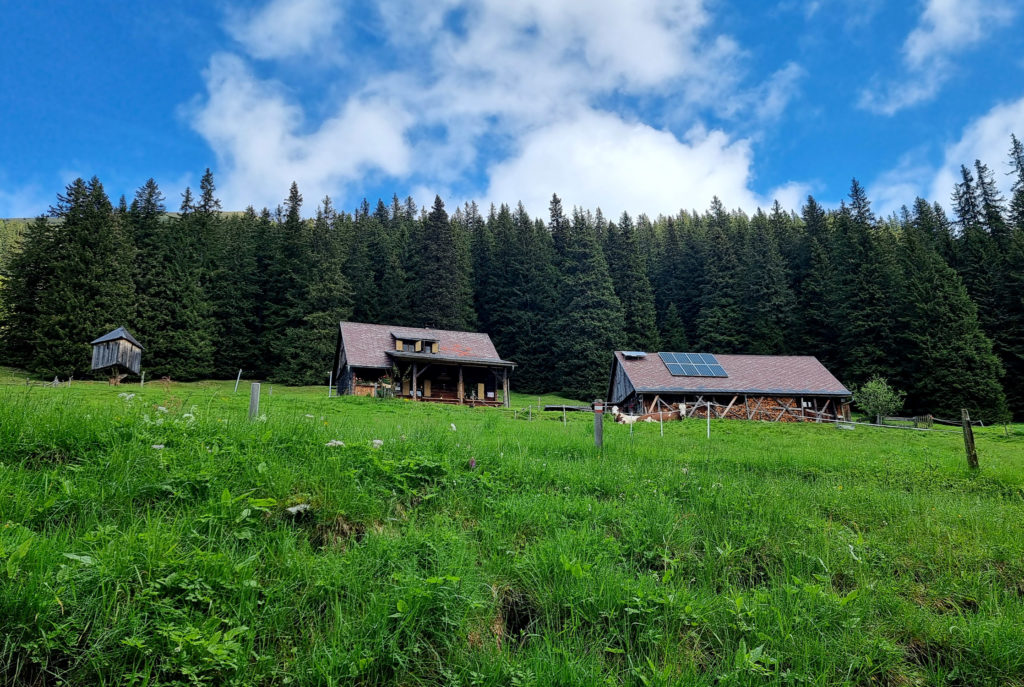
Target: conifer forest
<point x="930" y="300"/>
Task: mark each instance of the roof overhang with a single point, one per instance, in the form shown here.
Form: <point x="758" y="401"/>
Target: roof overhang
<point x="449" y="360"/>
<point x="749" y="392"/>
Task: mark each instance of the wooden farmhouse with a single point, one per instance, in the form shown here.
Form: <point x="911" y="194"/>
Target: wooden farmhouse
<point x="117" y="350"/>
<point x="420" y="364"/>
<point x="777" y="388"/>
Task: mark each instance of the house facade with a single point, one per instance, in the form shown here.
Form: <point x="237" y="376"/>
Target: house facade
<point x="776" y="388"/>
<point x="436" y="365"/>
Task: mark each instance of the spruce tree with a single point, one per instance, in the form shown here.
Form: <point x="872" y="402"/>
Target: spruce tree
<point x="83" y="286"/>
<point x="720" y="326"/>
<point x="628" y="267"/>
<point x="173" y="314"/>
<point x="946" y="361"/>
<point x="589" y="322"/>
<point x="768" y="300"/>
<point x="234" y="293"/>
<point x="673" y="333"/>
<point x="439" y="297"/>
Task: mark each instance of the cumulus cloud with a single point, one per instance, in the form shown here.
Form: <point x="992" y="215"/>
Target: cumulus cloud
<point x="945" y="28"/>
<point x="478" y="87"/>
<point x="987" y="138"/>
<point x="599" y="159"/>
<point x="262" y="145"/>
<point x="284" y="28"/>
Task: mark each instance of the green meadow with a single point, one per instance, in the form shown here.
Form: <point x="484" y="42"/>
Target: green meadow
<point x="155" y="540"/>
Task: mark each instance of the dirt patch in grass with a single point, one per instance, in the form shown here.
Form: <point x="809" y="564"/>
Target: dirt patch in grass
<point x="337" y="533"/>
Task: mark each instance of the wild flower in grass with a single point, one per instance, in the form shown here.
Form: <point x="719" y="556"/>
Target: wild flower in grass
<point x="686" y="471"/>
<point x="188" y="416"/>
<point x="161" y="409"/>
<point x="309" y="416"/>
<point x="472" y="463"/>
<point x="158" y="447"/>
<point x="377" y="443"/>
<point x="335" y="442"/>
<point x="262" y="418"/>
<point x="126" y="396"/>
<point x="453" y="426"/>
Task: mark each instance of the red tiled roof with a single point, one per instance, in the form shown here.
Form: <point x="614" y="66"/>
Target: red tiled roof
<point x="791" y="375"/>
<point x="367" y="345"/>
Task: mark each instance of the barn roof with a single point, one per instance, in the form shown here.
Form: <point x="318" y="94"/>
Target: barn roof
<point x="370" y="345"/>
<point x="119" y="333"/>
<point x="777" y="375"/>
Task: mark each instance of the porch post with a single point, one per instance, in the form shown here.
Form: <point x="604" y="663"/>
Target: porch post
<point x="414" y="375"/>
<point x="462" y="388"/>
<point x="504" y="390"/>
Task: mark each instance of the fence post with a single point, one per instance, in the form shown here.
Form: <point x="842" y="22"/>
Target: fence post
<point x="254" y="400"/>
<point x="142" y="382"/>
<point x="330" y="382"/>
<point x="972" y="453"/>
<point x="707" y="408"/>
<point x="598" y="423"/>
<point x="237" y="380"/>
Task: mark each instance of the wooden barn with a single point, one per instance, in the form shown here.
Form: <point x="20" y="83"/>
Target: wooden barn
<point x="777" y="388"/>
<point x="421" y="364"/>
<point x="117" y="349"/>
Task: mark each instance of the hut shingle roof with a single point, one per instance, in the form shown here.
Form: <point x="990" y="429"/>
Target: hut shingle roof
<point x="368" y="345"/>
<point x="789" y="375"/>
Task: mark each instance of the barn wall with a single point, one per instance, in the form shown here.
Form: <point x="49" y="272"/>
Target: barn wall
<point x="621" y="386"/>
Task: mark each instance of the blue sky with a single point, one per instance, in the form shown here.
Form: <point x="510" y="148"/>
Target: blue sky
<point x="645" y="106"/>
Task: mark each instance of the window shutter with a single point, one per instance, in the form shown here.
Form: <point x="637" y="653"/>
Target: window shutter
<point x="398" y="344"/>
<point x="480" y="390"/>
<point x="433" y="347"/>
<point x="426" y="387"/>
<point x="419" y="346"/>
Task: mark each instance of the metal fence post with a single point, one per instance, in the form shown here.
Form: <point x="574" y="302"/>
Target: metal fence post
<point x="598" y="423"/>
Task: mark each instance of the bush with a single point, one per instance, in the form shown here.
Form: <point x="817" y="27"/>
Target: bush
<point x="878" y="399"/>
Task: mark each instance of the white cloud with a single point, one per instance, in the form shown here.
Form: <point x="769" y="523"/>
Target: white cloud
<point x="597" y="159"/>
<point x="23" y="201"/>
<point x="259" y="140"/>
<point x="987" y="138"/>
<point x="475" y="82"/>
<point x="284" y="28"/>
<point x="945" y="28"/>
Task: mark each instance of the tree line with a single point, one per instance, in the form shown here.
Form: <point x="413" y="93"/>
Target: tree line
<point x="935" y="304"/>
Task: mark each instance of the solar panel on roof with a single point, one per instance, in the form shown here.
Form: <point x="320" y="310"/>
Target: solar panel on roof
<point x="692" y="365"/>
<point x="634" y="354"/>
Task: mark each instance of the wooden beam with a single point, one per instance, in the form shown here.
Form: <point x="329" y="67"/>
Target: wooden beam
<point x="760" y="400"/>
<point x="726" y="413"/>
<point x="415" y="374"/>
<point x="462" y="388"/>
<point x="746" y="405"/>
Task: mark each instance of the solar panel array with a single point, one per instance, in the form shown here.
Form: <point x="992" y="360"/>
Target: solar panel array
<point x="692" y="365"/>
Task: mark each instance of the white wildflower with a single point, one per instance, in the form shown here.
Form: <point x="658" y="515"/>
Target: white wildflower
<point x="453" y="426"/>
<point x="158" y="447"/>
<point x="162" y="409"/>
<point x="377" y="443"/>
<point x="309" y="416"/>
<point x="335" y="442"/>
<point x="188" y="416"/>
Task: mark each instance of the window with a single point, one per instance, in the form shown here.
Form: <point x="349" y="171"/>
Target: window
<point x="408" y="347"/>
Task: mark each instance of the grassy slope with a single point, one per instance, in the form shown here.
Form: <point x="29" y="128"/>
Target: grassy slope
<point x="773" y="554"/>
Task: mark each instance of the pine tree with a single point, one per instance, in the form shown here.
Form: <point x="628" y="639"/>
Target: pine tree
<point x="81" y="287"/>
<point x="769" y="303"/>
<point x="234" y="293"/>
<point x="673" y="333"/>
<point x="440" y="297"/>
<point x="946" y="361"/>
<point x="28" y="271"/>
<point x="173" y="314"/>
<point x="590" y="322"/>
<point x="820" y="297"/>
<point x="720" y="326"/>
<point x="628" y="266"/>
<point x="286" y="266"/>
<point x="324" y="300"/>
<point x="1017" y="189"/>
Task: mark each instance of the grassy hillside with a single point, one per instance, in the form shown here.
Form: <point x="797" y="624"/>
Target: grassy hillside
<point x="146" y="540"/>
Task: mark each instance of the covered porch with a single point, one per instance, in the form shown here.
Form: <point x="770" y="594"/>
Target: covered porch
<point x="429" y="377"/>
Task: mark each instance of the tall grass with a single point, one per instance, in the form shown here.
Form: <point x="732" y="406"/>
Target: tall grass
<point x="771" y="554"/>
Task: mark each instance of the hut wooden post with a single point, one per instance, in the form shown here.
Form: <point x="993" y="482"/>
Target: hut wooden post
<point x="462" y="388"/>
<point x="972" y="453"/>
<point x="415" y="374"/>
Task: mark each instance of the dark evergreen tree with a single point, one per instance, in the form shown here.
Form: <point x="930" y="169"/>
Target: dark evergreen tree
<point x="673" y="333"/>
<point x="628" y="268"/>
<point x="768" y="300"/>
<point x="589" y="321"/>
<point x="946" y="361"/>
<point x="720" y="326"/>
<point x="439" y="296"/>
<point x="173" y="311"/>
<point x="235" y="293"/>
<point x="71" y="283"/>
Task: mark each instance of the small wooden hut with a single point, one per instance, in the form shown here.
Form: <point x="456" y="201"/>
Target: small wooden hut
<point x="117" y="350"/>
<point x="436" y="365"/>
